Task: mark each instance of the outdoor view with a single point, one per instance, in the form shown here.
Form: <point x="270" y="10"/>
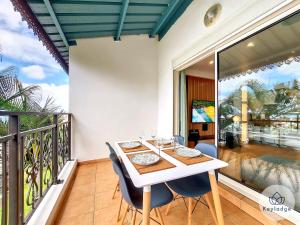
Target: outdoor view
<point x="259" y="108"/>
<point x="30" y="81"/>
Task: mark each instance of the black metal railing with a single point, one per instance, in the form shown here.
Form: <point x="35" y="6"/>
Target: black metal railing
<point x="31" y="161"/>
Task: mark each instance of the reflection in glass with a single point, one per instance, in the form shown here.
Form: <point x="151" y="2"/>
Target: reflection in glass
<point x="259" y="108"/>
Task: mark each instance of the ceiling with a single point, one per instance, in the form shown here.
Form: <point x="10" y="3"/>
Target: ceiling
<point x="206" y="64"/>
<point x="275" y="45"/>
<point x="64" y="21"/>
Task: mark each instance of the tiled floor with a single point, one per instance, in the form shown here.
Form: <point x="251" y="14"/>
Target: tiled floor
<point x="90" y="203"/>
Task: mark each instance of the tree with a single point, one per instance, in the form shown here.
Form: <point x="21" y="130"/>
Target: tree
<point x="15" y="97"/>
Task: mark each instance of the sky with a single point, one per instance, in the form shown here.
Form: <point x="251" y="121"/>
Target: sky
<point x="35" y="65"/>
<point x="269" y="77"/>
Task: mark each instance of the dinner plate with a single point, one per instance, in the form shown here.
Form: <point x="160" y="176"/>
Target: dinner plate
<point x="145" y="159"/>
<point x="187" y="152"/>
<point x="131" y="144"/>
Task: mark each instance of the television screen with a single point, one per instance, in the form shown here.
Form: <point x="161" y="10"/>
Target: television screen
<point x="203" y="111"/>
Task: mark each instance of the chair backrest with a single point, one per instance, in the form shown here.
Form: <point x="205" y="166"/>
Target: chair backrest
<point x="180" y="139"/>
<point x="210" y="150"/>
<point x="113" y="154"/>
<point x="207" y="149"/>
<point x="123" y="181"/>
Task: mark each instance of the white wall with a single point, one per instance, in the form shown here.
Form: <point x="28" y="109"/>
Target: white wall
<point x="113" y="92"/>
<point x="188" y="36"/>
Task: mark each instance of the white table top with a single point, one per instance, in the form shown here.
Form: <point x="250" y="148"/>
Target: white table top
<point x="181" y="170"/>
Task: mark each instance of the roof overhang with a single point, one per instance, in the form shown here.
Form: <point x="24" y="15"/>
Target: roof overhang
<point x="59" y="23"/>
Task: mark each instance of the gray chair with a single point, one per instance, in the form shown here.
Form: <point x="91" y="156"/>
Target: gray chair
<point x="180" y="139"/>
<point x="160" y="194"/>
<point x="196" y="186"/>
<point x="112" y="151"/>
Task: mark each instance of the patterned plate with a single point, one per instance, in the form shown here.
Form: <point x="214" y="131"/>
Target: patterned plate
<point x="145" y="159"/>
<point x="187" y="152"/>
<point x="132" y="144"/>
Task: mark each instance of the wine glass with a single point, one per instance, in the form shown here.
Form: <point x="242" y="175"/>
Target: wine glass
<point x="158" y="144"/>
<point x="153" y="134"/>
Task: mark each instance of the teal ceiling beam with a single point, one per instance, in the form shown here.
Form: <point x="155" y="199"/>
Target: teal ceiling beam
<point x="173" y="18"/>
<point x="122" y="19"/>
<point x="165" y="17"/>
<point x="57" y="25"/>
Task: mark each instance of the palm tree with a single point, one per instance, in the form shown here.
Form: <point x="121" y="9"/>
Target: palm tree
<point x="14" y="96"/>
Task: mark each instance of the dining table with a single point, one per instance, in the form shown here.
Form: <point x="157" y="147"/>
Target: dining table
<point x="176" y="169"/>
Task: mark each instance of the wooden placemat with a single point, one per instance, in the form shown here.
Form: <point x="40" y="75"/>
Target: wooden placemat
<point x="162" y="164"/>
<point x="152" y="142"/>
<point x="137" y="149"/>
<point x="186" y="160"/>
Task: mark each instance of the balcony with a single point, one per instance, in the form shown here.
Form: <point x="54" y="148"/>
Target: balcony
<point x="138" y="67"/>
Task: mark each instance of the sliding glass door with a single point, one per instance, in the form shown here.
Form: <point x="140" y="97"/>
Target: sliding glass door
<point x="259" y="108"/>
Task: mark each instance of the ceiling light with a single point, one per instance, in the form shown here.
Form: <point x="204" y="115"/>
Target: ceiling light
<point x="250" y="44"/>
<point x="211" y="62"/>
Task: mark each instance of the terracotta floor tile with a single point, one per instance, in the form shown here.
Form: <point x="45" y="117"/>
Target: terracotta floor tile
<point x="78" y="207"/>
<point x="81" y="191"/>
<point x="85" y="179"/>
<point x="86" y="219"/>
<point x="87" y="170"/>
<point x="90" y="203"/>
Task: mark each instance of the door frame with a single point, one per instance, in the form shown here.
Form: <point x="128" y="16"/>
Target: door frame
<point x="271" y="17"/>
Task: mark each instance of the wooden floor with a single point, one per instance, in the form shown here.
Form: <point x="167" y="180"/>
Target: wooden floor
<point x="90" y="203"/>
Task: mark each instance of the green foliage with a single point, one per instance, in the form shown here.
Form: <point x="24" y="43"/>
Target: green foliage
<point x="17" y="98"/>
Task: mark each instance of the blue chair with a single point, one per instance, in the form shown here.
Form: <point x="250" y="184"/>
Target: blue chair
<point x="112" y="151"/>
<point x="196" y="186"/>
<point x="160" y="194"/>
<point x="180" y="139"/>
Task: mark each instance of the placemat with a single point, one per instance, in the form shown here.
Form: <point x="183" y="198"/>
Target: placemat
<point x="162" y="164"/>
<point x="152" y="142"/>
<point x="129" y="150"/>
<point x="186" y="160"/>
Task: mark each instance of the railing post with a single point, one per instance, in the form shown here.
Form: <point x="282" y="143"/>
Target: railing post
<point x="13" y="187"/>
<point x="55" y="149"/>
<point x="69" y="135"/>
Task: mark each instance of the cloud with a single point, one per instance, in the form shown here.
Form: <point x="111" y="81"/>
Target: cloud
<point x="11" y="19"/>
<point x="25" y="48"/>
<point x="34" y="72"/>
<point x="19" y="43"/>
<point x="60" y="94"/>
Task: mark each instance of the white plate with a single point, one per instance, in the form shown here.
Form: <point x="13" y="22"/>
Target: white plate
<point x="187" y="152"/>
<point x="145" y="159"/>
<point x="132" y="144"/>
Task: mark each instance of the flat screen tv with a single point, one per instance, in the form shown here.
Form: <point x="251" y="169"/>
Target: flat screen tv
<point x="203" y="111"/>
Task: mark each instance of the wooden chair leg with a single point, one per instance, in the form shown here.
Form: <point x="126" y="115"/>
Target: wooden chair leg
<point x="133" y="217"/>
<point x="190" y="210"/>
<point x="115" y="190"/>
<point x="211" y="209"/>
<point x="124" y="215"/>
<point x="155" y="212"/>
<point x="159" y="216"/>
<point x="120" y="207"/>
<point x="168" y="208"/>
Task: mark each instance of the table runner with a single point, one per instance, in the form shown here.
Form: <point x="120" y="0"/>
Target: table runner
<point x="186" y="160"/>
<point x="162" y="164"/>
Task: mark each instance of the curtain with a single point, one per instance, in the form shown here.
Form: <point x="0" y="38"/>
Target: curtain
<point x="183" y="131"/>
